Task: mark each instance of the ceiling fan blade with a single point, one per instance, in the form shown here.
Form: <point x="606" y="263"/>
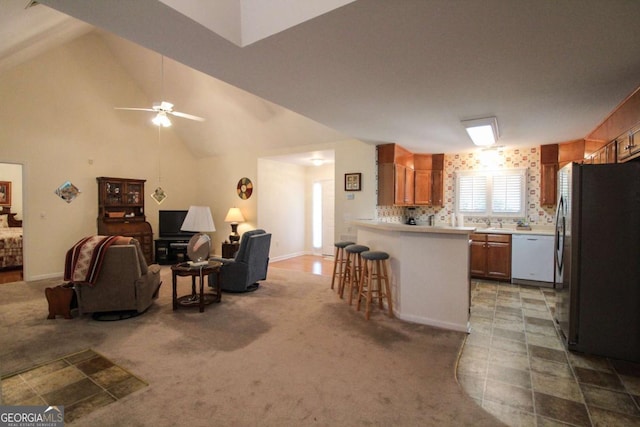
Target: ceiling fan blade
<point x="186" y="116"/>
<point x="133" y="109"/>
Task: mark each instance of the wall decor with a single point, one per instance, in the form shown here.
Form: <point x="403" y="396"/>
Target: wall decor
<point x="245" y="188"/>
<point x="352" y="181"/>
<point x="159" y="195"/>
<point x="5" y="193"/>
<point x="67" y="192"/>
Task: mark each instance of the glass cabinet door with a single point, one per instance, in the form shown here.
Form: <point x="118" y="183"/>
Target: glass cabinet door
<point x="113" y="193"/>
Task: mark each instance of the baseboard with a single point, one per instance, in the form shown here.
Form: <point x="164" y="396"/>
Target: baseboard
<point x="44" y="277"/>
<point x="288" y="256"/>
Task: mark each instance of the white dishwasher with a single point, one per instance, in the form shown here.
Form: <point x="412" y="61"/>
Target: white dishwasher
<point x="532" y="259"/>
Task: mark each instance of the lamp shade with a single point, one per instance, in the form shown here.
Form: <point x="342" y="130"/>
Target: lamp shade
<point x="234" y="215"/>
<point x="198" y="219"/>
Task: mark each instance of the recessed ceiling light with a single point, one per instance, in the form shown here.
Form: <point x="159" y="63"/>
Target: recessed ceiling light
<point x="317" y="162"/>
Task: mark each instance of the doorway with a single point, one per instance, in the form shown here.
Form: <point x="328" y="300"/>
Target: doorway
<point x="11" y="267"/>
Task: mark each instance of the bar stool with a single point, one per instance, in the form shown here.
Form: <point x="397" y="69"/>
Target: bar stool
<point x="339" y="263"/>
<point x="371" y="283"/>
<point x="353" y="270"/>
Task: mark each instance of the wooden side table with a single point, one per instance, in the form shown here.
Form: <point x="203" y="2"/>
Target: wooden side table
<point x="229" y="249"/>
<point x="200" y="299"/>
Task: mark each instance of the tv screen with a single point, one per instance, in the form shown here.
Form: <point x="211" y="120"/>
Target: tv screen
<point x="170" y="222"/>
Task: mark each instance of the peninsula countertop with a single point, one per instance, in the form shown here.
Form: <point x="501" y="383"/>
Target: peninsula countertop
<point x="423" y="228"/>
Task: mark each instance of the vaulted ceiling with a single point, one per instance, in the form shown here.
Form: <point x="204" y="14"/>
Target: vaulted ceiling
<point x="407" y="71"/>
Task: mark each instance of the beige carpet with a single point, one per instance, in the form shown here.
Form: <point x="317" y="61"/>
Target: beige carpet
<point x="291" y="353"/>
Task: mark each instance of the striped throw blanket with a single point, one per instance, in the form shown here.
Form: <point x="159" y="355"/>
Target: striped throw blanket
<point x="84" y="259"/>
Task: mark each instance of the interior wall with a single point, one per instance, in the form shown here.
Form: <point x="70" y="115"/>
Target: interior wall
<point x="57" y="118"/>
<point x="282" y="206"/>
<point x="13" y="173"/>
<point x="351" y="157"/>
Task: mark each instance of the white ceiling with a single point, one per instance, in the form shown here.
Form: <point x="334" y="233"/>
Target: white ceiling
<point x="408" y="71"/>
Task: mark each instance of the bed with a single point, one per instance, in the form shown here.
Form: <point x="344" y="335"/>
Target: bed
<point x="10" y="240"/>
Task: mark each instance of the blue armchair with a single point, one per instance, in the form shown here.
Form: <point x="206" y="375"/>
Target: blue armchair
<point x="242" y="273"/>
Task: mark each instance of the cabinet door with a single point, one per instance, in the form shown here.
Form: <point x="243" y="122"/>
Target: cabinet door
<point x="548" y="183"/>
<point x="623" y="147"/>
<point x="113" y="192"/>
<point x="400" y="184"/>
<point x="409" y="187"/>
<point x="478" y="256"/>
<point x="437" y="188"/>
<point x="499" y="259"/>
<point x="423" y="187"/>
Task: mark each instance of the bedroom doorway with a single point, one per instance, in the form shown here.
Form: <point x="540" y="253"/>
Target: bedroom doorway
<point x="11" y="265"/>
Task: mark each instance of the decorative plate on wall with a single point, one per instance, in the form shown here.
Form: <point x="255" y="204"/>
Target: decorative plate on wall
<point x="245" y="188"/>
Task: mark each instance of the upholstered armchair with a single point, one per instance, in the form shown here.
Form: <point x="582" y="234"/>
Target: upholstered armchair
<point x="124" y="283"/>
<point x="242" y="273"/>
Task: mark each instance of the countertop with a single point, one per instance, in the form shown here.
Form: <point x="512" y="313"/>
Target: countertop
<point x="423" y="228"/>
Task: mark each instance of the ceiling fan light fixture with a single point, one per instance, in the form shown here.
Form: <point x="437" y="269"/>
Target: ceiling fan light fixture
<point x="483" y="132"/>
<point x="161" y="119"/>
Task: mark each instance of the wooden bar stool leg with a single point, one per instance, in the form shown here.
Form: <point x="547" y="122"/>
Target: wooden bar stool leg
<point x="346" y="277"/>
<point x="361" y="283"/>
<point x="355" y="277"/>
<point x="370" y="285"/>
<point x="335" y="266"/>
<point x="387" y="288"/>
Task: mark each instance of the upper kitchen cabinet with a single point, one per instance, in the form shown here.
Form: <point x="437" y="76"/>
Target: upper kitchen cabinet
<point x="628" y="145"/>
<point x="408" y="179"/>
<point x="548" y="173"/>
<point x="571" y="152"/>
<point x="429" y="179"/>
<point x="395" y="176"/>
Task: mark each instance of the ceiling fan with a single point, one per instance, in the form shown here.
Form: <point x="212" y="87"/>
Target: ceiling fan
<point x="162" y="110"/>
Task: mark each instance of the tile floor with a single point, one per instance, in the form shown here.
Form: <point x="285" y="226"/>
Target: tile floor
<point x="515" y="366"/>
<point x="82" y="382"/>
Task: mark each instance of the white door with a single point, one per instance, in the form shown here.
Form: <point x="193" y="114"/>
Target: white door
<point x="328" y="216"/>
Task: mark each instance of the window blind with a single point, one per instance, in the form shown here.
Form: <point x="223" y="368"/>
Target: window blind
<point x="507" y="194"/>
<point x="472" y="193"/>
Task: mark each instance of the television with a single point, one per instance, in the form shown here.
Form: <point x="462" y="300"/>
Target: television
<point x="169" y="223"/>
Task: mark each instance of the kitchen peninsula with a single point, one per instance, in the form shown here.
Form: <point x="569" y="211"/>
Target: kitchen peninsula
<point x="429" y="270"/>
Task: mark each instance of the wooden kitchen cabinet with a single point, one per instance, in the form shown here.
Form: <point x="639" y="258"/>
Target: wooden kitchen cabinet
<point x="628" y="145"/>
<point x="429" y="179"/>
<point x="548" y="174"/>
<point x="395" y="176"/>
<point x="491" y="256"/>
<point x="604" y="155"/>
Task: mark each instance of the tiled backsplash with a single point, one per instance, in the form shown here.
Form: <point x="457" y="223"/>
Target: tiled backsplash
<point x="491" y="159"/>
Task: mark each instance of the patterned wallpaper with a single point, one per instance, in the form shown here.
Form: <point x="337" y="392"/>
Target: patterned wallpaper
<point x="528" y="158"/>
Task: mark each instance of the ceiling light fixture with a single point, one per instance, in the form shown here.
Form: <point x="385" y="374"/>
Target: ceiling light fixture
<point x="483" y="132"/>
<point x="317" y="162"/>
<point x="161" y="119"/>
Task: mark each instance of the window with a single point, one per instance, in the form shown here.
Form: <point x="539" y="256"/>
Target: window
<point x="497" y="193"/>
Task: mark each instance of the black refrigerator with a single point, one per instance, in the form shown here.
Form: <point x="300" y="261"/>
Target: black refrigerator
<point x="597" y="259"/>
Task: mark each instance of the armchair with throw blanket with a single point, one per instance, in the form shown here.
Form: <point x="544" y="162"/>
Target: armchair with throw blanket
<point x="242" y="273"/>
<point x="111" y="274"/>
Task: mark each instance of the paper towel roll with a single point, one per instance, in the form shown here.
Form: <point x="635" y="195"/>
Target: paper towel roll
<point x="460" y="220"/>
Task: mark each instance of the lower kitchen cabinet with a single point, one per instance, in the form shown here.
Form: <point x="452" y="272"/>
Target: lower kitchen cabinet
<point x="491" y="256"/>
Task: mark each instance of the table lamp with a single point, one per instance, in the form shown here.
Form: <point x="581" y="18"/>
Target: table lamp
<point x="199" y="219"/>
<point x="234" y="216"/>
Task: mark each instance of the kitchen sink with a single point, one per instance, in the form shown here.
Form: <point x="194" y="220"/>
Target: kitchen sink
<point x="493" y="230"/>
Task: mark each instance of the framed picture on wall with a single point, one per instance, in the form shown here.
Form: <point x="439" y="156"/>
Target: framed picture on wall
<point x="5" y="193"/>
<point x="352" y="181"/>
